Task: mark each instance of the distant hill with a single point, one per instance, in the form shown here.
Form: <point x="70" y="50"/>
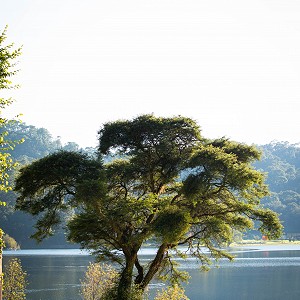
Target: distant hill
<point x="281" y="162"/>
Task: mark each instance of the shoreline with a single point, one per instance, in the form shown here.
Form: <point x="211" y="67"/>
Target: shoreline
<point x="261" y="242"/>
<point x="272" y="245"/>
<point x="246" y="245"/>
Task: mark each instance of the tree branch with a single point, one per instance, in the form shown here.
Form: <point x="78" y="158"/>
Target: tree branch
<point x="139" y="278"/>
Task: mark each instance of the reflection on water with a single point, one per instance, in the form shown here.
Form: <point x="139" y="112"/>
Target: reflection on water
<point x="245" y="262"/>
<point x="246" y="283"/>
<point x="55" y="275"/>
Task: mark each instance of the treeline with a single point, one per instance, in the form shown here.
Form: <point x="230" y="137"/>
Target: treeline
<point x="280" y="160"/>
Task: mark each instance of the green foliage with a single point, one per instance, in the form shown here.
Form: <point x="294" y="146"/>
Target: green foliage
<point x="99" y="280"/>
<point x="100" y="283"/>
<point x="135" y="293"/>
<point x="173" y="292"/>
<point x="14" y="281"/>
<point x="158" y="147"/>
<point x="65" y="171"/>
<point x="7" y="71"/>
<point x="37" y="143"/>
<point x="172" y="224"/>
<point x="168" y="183"/>
<point x="7" y="66"/>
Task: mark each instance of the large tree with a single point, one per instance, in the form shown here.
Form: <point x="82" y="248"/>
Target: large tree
<point x="7" y="70"/>
<point x="166" y="183"/>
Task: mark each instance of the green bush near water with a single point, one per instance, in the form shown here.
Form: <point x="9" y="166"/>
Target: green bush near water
<point x="14" y="281"/>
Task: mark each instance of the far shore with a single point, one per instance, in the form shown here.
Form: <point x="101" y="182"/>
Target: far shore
<point x="245" y="245"/>
<point x="262" y="242"/>
<point x="272" y="245"/>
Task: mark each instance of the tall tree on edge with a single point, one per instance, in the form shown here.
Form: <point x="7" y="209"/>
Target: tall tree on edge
<point x="7" y="70"/>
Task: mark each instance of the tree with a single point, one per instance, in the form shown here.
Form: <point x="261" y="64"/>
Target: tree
<point x="14" y="281"/>
<point x="167" y="183"/>
<point x="7" y="70"/>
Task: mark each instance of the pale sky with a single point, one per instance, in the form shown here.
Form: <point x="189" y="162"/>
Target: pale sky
<point x="232" y="65"/>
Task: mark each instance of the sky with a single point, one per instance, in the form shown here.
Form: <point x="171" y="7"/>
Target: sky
<point x="231" y="65"/>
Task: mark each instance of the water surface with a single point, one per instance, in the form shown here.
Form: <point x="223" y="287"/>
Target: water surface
<point x="258" y="272"/>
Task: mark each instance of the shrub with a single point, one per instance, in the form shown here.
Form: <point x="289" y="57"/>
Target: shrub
<point x="172" y="293"/>
<point x="14" y="281"/>
<point x="101" y="282"/>
<point x="99" y="279"/>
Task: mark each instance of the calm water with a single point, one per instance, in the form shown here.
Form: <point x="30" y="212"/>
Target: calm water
<point x="257" y="273"/>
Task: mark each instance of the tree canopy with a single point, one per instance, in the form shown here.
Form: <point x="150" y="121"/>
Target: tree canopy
<point x="167" y="183"/>
<point x="7" y="70"/>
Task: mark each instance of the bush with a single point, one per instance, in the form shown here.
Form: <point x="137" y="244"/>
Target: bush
<point x="100" y="283"/>
<point x="99" y="279"/>
<point x="135" y="294"/>
<point x="14" y="281"/>
<point x="172" y="293"/>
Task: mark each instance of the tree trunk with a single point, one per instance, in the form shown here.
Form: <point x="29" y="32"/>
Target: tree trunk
<point x="155" y="265"/>
<point x="125" y="282"/>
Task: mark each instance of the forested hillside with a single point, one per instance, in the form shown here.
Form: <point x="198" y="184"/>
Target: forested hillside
<point x="280" y="160"/>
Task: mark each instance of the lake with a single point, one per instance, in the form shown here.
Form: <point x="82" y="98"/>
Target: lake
<point x="258" y="272"/>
